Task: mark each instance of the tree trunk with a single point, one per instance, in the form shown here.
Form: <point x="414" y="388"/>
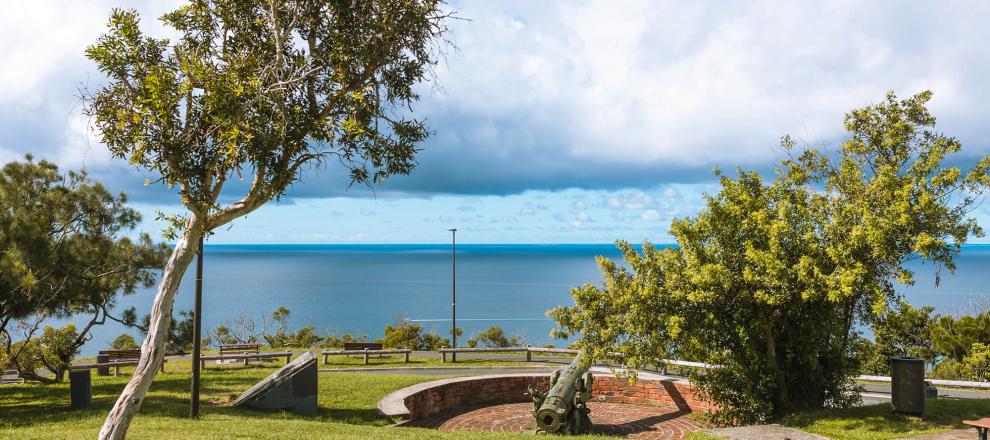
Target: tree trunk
<point x="155" y="342"/>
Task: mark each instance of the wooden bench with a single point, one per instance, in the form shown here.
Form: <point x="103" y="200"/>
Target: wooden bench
<point x="981" y="426"/>
<point x="10" y="376"/>
<point x="246" y="352"/>
<point x="114" y="359"/>
<point x="364" y="352"/>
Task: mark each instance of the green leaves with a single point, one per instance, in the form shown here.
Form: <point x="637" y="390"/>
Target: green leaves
<point x="268" y="88"/>
<point x="771" y="279"/>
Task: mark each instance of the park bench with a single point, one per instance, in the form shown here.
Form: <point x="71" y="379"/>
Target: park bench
<point x="10" y="376"/>
<point x="364" y="352"/>
<point x="362" y="346"/>
<point x="981" y="426"/>
<point x="115" y="359"/>
<point x="246" y="352"/>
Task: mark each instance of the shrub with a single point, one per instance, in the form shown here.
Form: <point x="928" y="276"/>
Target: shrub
<point x="405" y="334"/>
<point x="124" y="342"/>
<point x="493" y="337"/>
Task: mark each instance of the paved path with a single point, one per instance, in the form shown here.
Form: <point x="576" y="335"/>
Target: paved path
<point x="763" y="432"/>
<point x="958" y="434"/>
<point x="631" y="421"/>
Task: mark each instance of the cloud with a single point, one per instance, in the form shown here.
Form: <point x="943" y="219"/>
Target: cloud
<point x="561" y="94"/>
<point x="650" y="215"/>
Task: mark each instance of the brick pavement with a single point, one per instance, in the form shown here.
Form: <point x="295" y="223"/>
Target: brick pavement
<point x="631" y="421"/>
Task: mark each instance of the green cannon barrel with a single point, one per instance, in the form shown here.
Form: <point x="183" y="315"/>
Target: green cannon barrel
<point x="564" y="408"/>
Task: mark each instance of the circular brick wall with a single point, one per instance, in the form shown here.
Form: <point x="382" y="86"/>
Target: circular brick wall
<point x="447" y="395"/>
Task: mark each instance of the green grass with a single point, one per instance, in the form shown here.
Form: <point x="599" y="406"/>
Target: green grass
<point x="877" y="422"/>
<point x="347" y="409"/>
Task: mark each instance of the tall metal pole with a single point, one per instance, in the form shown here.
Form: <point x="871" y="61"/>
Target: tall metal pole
<point x="197" y="333"/>
<point x="453" y="291"/>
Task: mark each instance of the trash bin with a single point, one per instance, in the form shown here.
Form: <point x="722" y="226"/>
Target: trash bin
<point x="80" y="388"/>
<point x="102" y="359"/>
<point x="907" y="385"/>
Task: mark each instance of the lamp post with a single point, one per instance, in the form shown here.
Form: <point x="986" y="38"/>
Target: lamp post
<point x="453" y="291"/>
<point x="197" y="333"/>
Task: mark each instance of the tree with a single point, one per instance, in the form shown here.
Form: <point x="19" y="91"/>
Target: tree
<point x="901" y="331"/>
<point x="405" y="334"/>
<point x="124" y="342"/>
<point x="263" y="88"/>
<point x="771" y="279"/>
<point x="63" y="252"/>
<point x="953" y="337"/>
<point x="493" y="337"/>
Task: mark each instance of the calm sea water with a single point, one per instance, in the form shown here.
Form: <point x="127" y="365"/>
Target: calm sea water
<point x="361" y="288"/>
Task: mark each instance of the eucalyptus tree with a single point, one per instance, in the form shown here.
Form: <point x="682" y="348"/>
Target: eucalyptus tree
<point x="264" y="89"/>
<point x="771" y="279"/>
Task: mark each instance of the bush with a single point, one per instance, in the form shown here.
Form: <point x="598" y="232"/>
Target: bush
<point x="124" y="342"/>
<point x="405" y="334"/>
<point x="493" y="337"/>
<point x="333" y="341"/>
<point x="53" y="350"/>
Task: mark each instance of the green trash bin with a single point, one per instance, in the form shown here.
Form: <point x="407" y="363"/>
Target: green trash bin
<point x="907" y="385"/>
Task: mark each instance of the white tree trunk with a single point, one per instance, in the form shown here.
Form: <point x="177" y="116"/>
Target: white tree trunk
<point x="155" y="343"/>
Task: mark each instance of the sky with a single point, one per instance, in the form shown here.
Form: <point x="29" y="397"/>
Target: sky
<point x="554" y="121"/>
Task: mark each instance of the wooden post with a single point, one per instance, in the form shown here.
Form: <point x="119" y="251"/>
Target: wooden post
<point x="529" y="357"/>
<point x="407" y="357"/>
<point x="366" y="356"/>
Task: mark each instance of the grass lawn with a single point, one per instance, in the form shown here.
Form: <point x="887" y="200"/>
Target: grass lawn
<point x="877" y="422"/>
<point x="347" y="409"/>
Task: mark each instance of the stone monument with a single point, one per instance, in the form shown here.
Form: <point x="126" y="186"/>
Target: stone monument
<point x="291" y="388"/>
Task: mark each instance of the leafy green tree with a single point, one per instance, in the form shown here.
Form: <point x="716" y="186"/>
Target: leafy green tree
<point x="494" y="336"/>
<point x="978" y="362"/>
<point x="124" y="342"/>
<point x="64" y="252"/>
<point x="954" y="337"/>
<point x="258" y="88"/>
<point x="901" y="331"/>
<point x="62" y="246"/>
<point x="53" y="350"/>
<point x="406" y="334"/>
<point x="770" y="280"/>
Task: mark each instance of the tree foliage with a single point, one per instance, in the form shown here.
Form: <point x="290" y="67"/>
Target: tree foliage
<point x="771" y="279"/>
<point x="124" y="341"/>
<point x="494" y="336"/>
<point x="258" y="88"/>
<point x="63" y="252"/>
<point x="406" y="334"/>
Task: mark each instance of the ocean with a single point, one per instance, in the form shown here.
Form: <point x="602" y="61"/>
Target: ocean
<point x="360" y="288"/>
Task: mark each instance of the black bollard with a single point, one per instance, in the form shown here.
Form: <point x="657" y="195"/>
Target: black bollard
<point x="80" y="388"/>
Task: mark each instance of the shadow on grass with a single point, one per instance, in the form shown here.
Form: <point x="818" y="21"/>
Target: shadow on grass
<point x="939" y="413"/>
<point x="24" y="405"/>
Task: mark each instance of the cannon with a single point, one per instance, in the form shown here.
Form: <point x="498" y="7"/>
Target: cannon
<point x="563" y="409"/>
